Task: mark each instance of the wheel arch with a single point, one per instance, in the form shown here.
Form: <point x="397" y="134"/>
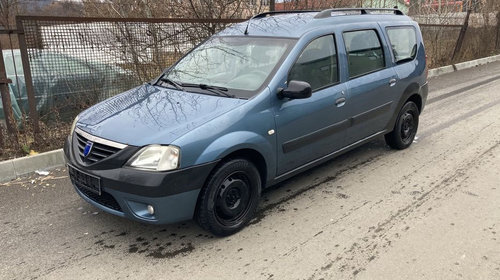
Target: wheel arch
<point x="260" y="150"/>
<point x="250" y="154"/>
<point x="417" y="99"/>
<point x="411" y="93"/>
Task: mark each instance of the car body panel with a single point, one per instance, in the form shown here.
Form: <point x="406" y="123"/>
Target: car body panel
<point x="290" y="135"/>
<point x="309" y="128"/>
<point x="244" y="127"/>
<point x="173" y="208"/>
<point x="152" y="115"/>
<point x="297" y="25"/>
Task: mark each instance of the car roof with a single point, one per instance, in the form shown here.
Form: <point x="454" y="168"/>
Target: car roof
<point x="295" y="24"/>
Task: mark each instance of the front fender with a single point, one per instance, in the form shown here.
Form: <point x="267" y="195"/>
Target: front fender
<point x="239" y="140"/>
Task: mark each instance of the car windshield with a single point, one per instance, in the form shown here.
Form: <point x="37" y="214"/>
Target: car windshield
<point x="240" y="65"/>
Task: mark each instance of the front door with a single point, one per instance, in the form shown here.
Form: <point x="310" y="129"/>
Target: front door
<point x="310" y="128"/>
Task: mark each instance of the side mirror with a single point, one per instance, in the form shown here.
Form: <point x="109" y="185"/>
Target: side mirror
<point x="296" y="90"/>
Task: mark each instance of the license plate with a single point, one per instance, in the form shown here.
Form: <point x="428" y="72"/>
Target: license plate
<point x="84" y="180"/>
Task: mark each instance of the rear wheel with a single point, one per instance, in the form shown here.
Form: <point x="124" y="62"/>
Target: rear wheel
<point x="229" y="199"/>
<point x="405" y="128"/>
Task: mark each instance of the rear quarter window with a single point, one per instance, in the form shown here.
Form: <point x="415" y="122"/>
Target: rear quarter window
<point x="364" y="52"/>
<point x="403" y="43"/>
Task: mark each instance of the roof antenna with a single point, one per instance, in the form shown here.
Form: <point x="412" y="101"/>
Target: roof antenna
<point x="248" y="23"/>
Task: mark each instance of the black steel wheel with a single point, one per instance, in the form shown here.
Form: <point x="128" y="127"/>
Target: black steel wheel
<point x="229" y="199"/>
<point x="405" y="129"/>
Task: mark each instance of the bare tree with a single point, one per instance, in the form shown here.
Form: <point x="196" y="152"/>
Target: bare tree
<point x="66" y="8"/>
<point x="8" y="9"/>
<point x="318" y="4"/>
<point x="200" y="9"/>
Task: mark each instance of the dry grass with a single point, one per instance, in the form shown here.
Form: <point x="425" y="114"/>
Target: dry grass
<point x="478" y="42"/>
<point x="51" y="137"/>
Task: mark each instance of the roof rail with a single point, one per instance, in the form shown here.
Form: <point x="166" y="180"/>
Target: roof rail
<point x="265" y="14"/>
<point x="363" y="11"/>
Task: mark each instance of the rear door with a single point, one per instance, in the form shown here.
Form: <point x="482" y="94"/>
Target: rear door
<point x="408" y="55"/>
<point x="371" y="82"/>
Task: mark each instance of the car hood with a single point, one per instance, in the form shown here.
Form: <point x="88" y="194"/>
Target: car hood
<point x="152" y="115"/>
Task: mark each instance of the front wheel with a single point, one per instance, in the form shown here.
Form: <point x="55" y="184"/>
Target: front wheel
<point x="230" y="197"/>
<point x="405" y="128"/>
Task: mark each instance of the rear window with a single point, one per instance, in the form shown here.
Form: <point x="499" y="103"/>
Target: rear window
<point x="403" y="43"/>
<point x="364" y="52"/>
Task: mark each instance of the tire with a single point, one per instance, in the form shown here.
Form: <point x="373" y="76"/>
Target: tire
<point x="405" y="128"/>
<point x="230" y="197"/>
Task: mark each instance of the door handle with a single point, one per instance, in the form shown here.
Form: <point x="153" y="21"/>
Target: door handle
<point x="340" y="101"/>
<point x="392" y="82"/>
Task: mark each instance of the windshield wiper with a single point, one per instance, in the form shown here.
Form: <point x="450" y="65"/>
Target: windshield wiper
<point x="221" y="91"/>
<point x="172" y="82"/>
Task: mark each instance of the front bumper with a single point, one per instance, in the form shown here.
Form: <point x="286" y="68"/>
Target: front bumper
<point x="127" y="192"/>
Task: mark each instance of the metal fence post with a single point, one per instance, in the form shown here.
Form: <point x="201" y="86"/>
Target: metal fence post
<point x="7" y="103"/>
<point x="27" y="76"/>
<point x="2" y="143"/>
<point x="461" y="36"/>
<point x="497" y="42"/>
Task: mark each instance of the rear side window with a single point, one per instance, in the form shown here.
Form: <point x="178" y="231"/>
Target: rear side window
<point x="364" y="52"/>
<point x="403" y="43"/>
<point x="317" y="64"/>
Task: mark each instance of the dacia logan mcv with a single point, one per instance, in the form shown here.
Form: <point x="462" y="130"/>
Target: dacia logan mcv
<point x="251" y="106"/>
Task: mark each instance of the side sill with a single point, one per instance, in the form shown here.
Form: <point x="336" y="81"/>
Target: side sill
<point x="324" y="158"/>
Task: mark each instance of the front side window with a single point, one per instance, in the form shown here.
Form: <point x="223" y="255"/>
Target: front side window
<point x="403" y="43"/>
<point x="239" y="64"/>
<point x="317" y="64"/>
<point x="364" y="52"/>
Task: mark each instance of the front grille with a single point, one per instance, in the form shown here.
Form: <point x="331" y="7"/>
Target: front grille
<point x="97" y="153"/>
<point x="105" y="199"/>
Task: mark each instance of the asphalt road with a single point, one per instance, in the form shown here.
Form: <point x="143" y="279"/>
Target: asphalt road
<point x="429" y="212"/>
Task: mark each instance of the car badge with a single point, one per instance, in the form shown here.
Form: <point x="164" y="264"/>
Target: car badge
<point x="88" y="148"/>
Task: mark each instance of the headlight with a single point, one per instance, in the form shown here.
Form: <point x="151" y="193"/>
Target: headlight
<point x="73" y="126"/>
<point x="156" y="158"/>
